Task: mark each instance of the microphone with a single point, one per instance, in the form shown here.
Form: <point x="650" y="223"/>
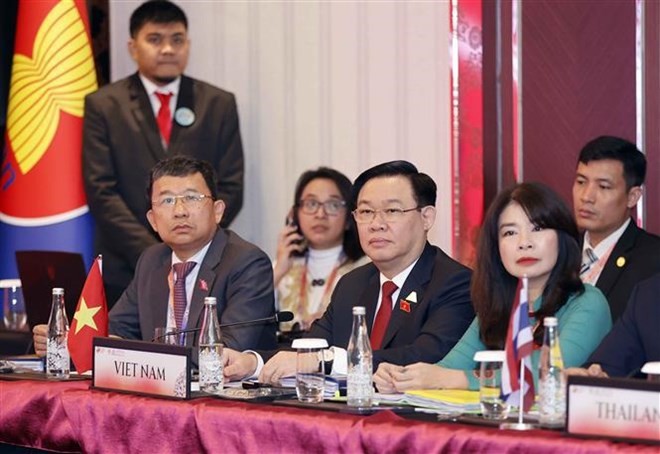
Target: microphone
<point x="282" y="316"/>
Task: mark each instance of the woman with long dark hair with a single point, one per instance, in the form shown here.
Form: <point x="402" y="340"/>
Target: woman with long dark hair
<point x="318" y="245"/>
<point x="528" y="231"/>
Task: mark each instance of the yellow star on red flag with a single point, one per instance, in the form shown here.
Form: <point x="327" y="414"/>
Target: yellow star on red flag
<point x="85" y="316"/>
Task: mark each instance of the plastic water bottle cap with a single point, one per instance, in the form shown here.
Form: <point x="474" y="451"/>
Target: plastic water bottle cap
<point x="495" y="356"/>
<point x="550" y="321"/>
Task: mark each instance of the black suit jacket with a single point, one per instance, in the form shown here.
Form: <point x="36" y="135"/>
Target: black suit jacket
<point x="234" y="271"/>
<point x="121" y="143"/>
<point x="635" y="337"/>
<point x="434" y="324"/>
<point x="635" y="257"/>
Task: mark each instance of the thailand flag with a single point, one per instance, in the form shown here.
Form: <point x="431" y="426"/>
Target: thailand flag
<point x="42" y="200"/>
<point x="518" y="347"/>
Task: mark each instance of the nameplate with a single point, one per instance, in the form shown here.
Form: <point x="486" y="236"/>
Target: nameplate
<point x="141" y="367"/>
<point x="622" y="409"/>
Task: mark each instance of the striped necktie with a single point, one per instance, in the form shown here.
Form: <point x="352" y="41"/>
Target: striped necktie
<point x="181" y="270"/>
<point x="588" y="258"/>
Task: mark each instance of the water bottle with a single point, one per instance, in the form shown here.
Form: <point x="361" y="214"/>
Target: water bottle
<point x="57" y="352"/>
<point x="360" y="362"/>
<point x="211" y="378"/>
<point x="552" y="385"/>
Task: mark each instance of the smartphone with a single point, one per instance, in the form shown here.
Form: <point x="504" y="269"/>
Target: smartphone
<point x="290" y="221"/>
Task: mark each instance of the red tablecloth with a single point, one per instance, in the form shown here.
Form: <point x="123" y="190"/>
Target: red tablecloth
<point x="71" y="417"/>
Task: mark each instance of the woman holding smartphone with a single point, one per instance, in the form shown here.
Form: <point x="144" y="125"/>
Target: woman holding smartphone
<point x="318" y="245"/>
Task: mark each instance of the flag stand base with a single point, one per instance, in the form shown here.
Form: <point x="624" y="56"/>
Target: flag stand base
<point x="517" y="426"/>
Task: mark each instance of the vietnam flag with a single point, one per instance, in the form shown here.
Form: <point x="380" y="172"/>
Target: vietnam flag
<point x="90" y="319"/>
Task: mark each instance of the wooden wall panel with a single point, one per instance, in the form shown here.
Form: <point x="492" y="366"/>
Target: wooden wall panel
<point x="578" y="66"/>
<point x="651" y="97"/>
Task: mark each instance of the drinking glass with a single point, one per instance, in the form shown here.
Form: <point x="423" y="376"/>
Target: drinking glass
<point x="13" y="304"/>
<point x="492" y="405"/>
<point x="652" y="371"/>
<point x="310" y="371"/>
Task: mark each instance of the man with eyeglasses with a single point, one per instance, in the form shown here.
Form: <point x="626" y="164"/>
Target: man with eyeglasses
<point x="197" y="259"/>
<point x="417" y="298"/>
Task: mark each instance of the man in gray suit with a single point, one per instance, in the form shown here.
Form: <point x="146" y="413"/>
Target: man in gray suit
<point x="137" y="121"/>
<point x="198" y="259"/>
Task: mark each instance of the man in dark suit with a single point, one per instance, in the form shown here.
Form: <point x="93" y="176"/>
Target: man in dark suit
<point x="635" y="337"/>
<point x="130" y="125"/>
<point x="616" y="253"/>
<point x="198" y="259"/>
<point x="428" y="308"/>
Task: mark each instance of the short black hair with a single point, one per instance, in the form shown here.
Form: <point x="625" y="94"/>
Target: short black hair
<point x="182" y="166"/>
<point x="156" y="11"/>
<point x="351" y="242"/>
<point x="615" y="148"/>
<point x="424" y="188"/>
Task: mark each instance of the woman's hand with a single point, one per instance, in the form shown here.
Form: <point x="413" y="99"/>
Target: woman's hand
<point x="390" y="378"/>
<point x="288" y="241"/>
<point x="593" y="371"/>
<point x="383" y="378"/>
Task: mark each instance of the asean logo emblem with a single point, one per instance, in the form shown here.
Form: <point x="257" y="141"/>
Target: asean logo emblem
<point x="41" y="176"/>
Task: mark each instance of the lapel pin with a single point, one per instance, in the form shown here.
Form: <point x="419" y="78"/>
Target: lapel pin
<point x="404" y="305"/>
<point x="620" y="262"/>
<point x="203" y="285"/>
<point x="184" y="116"/>
<point x="412" y="297"/>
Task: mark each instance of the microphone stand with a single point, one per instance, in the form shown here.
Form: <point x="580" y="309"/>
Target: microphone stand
<point x="283" y="316"/>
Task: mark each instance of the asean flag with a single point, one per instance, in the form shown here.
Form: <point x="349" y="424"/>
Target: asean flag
<point x="90" y="319"/>
<point x="42" y="199"/>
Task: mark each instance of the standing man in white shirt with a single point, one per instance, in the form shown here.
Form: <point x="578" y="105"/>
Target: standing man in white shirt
<point x="617" y="254"/>
<point x="134" y="123"/>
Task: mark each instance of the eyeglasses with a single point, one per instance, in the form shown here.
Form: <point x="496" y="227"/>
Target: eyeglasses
<point x="188" y="200"/>
<point x="331" y="207"/>
<point x="365" y="215"/>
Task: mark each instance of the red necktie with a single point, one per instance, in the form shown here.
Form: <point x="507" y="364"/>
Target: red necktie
<point x="180" y="302"/>
<point x="164" y="118"/>
<point x="383" y="316"/>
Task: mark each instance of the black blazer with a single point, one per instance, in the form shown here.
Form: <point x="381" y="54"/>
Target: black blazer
<point x="635" y="337"/>
<point x="236" y="272"/>
<point x="635" y="257"/>
<point x="121" y="143"/>
<point x="432" y="327"/>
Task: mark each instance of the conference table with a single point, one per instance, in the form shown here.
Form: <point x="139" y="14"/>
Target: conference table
<point x="71" y="417"/>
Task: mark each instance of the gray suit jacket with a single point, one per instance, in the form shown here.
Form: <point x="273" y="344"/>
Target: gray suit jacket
<point x="234" y="271"/>
<point x="121" y="143"/>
